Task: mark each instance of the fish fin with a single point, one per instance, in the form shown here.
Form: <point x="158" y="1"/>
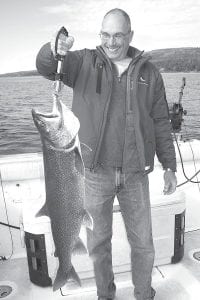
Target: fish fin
<point x="62" y="278"/>
<point x="55" y="253"/>
<point x="87" y="220"/>
<point x="85" y="149"/>
<point x="43" y="211"/>
<point x="79" y="165"/>
<point x="79" y="162"/>
<point x="74" y="276"/>
<point x="79" y="248"/>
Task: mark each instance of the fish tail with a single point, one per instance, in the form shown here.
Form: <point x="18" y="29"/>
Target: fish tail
<point x="43" y="211"/>
<point x="87" y="219"/>
<point x="62" y="278"/>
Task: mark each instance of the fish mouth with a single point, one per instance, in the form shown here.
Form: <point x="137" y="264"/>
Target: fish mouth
<point x="59" y="126"/>
<point x="41" y="120"/>
<point x="57" y="112"/>
<point x="37" y="115"/>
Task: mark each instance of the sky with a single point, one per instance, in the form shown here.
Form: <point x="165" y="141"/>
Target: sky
<point x="25" y="25"/>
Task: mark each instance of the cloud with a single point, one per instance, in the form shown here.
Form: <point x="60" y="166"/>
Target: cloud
<point x="157" y="24"/>
<point x="57" y="9"/>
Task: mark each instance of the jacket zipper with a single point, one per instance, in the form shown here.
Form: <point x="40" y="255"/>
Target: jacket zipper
<point x="129" y="105"/>
<point x="101" y="131"/>
<point x="127" y="108"/>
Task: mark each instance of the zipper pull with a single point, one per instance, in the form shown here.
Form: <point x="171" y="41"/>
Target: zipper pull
<point x="131" y="85"/>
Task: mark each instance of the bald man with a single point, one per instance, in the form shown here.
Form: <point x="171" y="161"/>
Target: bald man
<point x="119" y="98"/>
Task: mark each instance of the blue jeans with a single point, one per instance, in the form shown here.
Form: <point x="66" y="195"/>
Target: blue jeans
<point x="132" y="191"/>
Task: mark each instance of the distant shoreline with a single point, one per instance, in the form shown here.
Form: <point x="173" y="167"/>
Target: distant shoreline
<point x="170" y="60"/>
<point x="21" y="74"/>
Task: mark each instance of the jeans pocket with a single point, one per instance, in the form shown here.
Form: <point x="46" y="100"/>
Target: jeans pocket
<point x="137" y="191"/>
<point x="137" y="194"/>
<point x="96" y="183"/>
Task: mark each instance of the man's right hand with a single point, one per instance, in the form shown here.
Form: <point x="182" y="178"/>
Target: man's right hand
<point x="64" y="44"/>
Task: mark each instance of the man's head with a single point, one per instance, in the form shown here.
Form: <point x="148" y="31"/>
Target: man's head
<point x="116" y="34"/>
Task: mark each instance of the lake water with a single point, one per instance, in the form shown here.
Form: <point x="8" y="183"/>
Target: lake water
<point x="18" y="95"/>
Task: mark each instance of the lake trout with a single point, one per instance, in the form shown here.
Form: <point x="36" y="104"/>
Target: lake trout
<point x="64" y="183"/>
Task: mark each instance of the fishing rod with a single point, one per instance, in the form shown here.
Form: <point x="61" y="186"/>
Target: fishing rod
<point x="188" y="179"/>
<point x="176" y="112"/>
<point x="8" y="223"/>
<point x="176" y="116"/>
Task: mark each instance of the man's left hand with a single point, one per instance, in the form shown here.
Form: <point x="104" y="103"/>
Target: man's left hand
<point x="170" y="182"/>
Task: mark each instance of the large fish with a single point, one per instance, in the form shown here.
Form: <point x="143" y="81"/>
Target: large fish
<point x="64" y="183"/>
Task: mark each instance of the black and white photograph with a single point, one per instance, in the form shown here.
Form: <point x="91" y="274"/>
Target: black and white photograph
<point x="100" y="150"/>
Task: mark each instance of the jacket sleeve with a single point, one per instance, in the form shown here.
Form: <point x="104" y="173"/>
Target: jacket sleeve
<point x="47" y="65"/>
<point x="160" y="113"/>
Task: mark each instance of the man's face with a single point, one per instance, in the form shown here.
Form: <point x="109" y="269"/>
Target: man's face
<point x="115" y="36"/>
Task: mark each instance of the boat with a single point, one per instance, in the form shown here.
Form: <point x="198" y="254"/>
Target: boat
<point x="176" y="232"/>
<point x="27" y="260"/>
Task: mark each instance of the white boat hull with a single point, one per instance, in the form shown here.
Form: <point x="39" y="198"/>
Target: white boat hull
<point x="23" y="193"/>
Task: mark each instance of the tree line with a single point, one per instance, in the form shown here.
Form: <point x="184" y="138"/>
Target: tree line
<point x="177" y="59"/>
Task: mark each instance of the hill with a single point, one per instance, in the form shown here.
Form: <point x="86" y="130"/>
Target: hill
<point x="176" y="59"/>
<point x="166" y="60"/>
<point x="21" y="74"/>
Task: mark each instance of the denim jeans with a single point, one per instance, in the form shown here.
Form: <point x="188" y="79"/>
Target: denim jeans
<point x="132" y="191"/>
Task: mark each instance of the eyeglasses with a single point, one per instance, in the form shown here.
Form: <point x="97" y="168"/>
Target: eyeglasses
<point x="119" y="36"/>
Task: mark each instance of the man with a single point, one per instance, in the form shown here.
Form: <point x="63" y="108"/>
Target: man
<point x="119" y="98"/>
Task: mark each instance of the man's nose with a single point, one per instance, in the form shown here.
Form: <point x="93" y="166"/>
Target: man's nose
<point x="111" y="40"/>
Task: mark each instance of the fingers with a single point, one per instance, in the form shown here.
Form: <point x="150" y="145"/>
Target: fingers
<point x="170" y="182"/>
<point x="64" y="44"/>
<point x="169" y="189"/>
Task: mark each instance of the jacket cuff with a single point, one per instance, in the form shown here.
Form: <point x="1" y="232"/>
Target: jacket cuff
<point x="168" y="169"/>
<point x="46" y="64"/>
<point x="171" y="167"/>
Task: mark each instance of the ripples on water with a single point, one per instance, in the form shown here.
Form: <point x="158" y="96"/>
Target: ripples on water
<point x="18" y="95"/>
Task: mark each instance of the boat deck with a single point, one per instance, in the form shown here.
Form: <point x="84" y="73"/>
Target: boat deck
<point x="179" y="281"/>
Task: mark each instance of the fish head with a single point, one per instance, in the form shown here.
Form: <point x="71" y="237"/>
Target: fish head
<point x="57" y="128"/>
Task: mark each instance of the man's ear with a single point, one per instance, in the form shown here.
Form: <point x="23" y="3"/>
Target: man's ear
<point x="131" y="36"/>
